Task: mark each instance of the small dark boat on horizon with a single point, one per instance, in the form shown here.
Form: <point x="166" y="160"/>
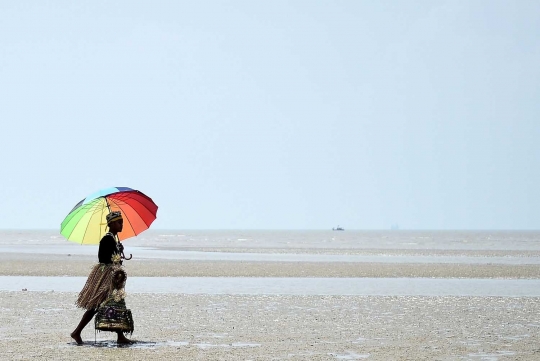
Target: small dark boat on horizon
<point x="338" y="229"/>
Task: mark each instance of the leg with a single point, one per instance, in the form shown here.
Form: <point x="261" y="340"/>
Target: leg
<point x="122" y="339"/>
<point x="87" y="317"/>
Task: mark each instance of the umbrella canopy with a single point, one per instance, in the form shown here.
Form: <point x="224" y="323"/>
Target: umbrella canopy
<point x="86" y="223"/>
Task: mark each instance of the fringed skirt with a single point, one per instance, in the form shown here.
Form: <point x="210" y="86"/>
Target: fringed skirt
<point x="97" y="287"/>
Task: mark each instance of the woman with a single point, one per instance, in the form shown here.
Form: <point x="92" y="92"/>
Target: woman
<point x="99" y="283"/>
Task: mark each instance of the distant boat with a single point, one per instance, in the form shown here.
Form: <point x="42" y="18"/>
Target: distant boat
<point x="338" y="229"/>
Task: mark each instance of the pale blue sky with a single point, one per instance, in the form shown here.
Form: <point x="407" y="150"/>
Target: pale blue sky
<point x="276" y="114"/>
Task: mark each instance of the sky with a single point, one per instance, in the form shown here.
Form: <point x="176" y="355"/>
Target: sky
<point x="274" y="115"/>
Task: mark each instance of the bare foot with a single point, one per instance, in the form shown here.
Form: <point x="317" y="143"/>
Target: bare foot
<point x="123" y="340"/>
<point x="77" y="338"/>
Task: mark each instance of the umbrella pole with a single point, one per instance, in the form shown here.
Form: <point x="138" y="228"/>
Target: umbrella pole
<point x="109" y="208"/>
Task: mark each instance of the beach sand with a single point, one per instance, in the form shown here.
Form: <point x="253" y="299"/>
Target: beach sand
<point x="64" y="265"/>
<point x="36" y="325"/>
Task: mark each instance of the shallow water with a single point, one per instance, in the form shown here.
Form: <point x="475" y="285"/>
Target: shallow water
<point x="321" y="239"/>
<point x="152" y="253"/>
<point x="292" y="286"/>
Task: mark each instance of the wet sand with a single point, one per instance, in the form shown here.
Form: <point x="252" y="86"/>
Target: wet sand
<point x="226" y="327"/>
<point x="64" y="265"/>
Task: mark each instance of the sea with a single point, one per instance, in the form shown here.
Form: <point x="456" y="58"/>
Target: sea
<point x="307" y="239"/>
<point x="400" y="247"/>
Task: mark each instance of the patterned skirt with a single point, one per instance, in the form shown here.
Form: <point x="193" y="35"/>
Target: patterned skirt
<point x="97" y="287"/>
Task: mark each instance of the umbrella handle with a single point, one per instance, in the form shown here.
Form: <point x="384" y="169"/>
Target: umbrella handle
<point x="124" y="257"/>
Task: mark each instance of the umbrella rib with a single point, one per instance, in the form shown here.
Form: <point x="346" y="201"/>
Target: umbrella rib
<point x="148" y="209"/>
<point x="145" y="207"/>
<point x="124" y="215"/>
<point x="102" y="211"/>
<point x="73" y="229"/>
<point x="88" y="224"/>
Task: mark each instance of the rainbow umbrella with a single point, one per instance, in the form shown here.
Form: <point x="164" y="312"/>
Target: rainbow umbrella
<point x="86" y="223"/>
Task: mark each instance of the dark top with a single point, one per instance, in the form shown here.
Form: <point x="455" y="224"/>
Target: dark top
<point x="107" y="247"/>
